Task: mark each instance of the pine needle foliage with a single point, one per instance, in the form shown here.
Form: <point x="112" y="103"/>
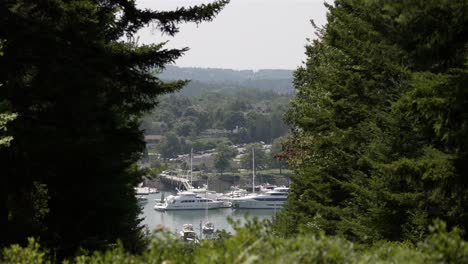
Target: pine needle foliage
<point x="379" y="143"/>
<point x="79" y="81"/>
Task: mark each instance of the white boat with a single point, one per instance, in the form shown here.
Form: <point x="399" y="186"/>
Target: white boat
<point x="145" y="190"/>
<point x="208" y="228"/>
<point x="188" y="234"/>
<point x="237" y="192"/>
<point x="188" y="201"/>
<point x="202" y="190"/>
<point x="274" y="199"/>
<point x="227" y="197"/>
<point x="266" y="187"/>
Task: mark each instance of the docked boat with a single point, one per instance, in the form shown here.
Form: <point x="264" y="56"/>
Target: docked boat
<point x="188" y="201"/>
<point x="188" y="234"/>
<point x="266" y="187"/>
<point x="145" y="190"/>
<point x="273" y="199"/>
<point x="236" y="192"/>
<point x="208" y="228"/>
<point x="199" y="190"/>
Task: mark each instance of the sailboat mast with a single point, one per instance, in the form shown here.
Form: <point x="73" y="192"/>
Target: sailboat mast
<point x="253" y="169"/>
<point x="191" y="168"/>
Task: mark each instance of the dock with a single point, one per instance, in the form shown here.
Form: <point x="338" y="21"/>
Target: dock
<point x="176" y="181"/>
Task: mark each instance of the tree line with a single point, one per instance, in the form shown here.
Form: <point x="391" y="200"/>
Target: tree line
<point x="226" y="116"/>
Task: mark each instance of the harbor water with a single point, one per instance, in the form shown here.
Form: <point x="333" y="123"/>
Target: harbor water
<point x="174" y="220"/>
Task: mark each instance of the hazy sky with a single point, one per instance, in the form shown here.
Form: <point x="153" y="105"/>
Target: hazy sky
<point x="247" y="34"/>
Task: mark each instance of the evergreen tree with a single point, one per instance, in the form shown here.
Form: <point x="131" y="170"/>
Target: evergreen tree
<point x="338" y="117"/>
<point x="224" y="155"/>
<point x="79" y="90"/>
<point x="276" y="152"/>
<point x="425" y="177"/>
<point x="170" y="146"/>
<point x="261" y="158"/>
<point x="233" y="120"/>
<point x="379" y="142"/>
<point x="5" y="118"/>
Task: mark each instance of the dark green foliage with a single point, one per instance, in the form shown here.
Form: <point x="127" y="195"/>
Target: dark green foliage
<point x="276" y="155"/>
<point x="233" y="120"/>
<point x="185" y="128"/>
<point x="224" y="155"/>
<point x="259" y="127"/>
<point x="210" y="79"/>
<point x="338" y="112"/>
<point x="261" y="158"/>
<point x="5" y="118"/>
<point x="425" y="179"/>
<point x="379" y="145"/>
<point x="79" y="91"/>
<point x="256" y="114"/>
<point x="169" y="147"/>
<point x="203" y="144"/>
<point x="257" y="243"/>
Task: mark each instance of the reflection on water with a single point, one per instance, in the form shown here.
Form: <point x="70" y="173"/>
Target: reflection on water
<point x="174" y="220"/>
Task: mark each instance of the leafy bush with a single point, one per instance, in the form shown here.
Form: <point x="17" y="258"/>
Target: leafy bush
<point x="257" y="242"/>
<point x="24" y="255"/>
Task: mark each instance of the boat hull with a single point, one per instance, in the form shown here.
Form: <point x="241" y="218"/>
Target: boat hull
<point x="257" y="205"/>
<point x="274" y="199"/>
<point x="171" y="207"/>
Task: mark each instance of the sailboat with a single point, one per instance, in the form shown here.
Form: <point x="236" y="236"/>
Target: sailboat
<point x="272" y="199"/>
<point x="160" y="201"/>
<point x="188" y="186"/>
<point x="253" y="170"/>
<point x="208" y="227"/>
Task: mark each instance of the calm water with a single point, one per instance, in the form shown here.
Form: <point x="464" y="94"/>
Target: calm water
<point x="174" y="220"/>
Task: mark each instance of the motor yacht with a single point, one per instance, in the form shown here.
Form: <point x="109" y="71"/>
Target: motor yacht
<point x="188" y="234"/>
<point x="208" y="228"/>
<point x="188" y="201"/>
<point x="273" y="199"/>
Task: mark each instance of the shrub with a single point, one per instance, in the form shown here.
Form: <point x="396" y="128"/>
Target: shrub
<point x="256" y="242"/>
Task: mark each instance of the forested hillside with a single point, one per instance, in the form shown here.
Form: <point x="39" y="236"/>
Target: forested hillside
<point x="246" y="115"/>
<point x="209" y="79"/>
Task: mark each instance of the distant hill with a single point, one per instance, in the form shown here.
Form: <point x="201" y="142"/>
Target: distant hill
<point x="279" y="81"/>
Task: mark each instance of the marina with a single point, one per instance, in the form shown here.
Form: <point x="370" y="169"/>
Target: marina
<point x="205" y="209"/>
<point x="174" y="220"/>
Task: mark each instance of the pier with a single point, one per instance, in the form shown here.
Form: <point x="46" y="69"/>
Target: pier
<point x="176" y="181"/>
